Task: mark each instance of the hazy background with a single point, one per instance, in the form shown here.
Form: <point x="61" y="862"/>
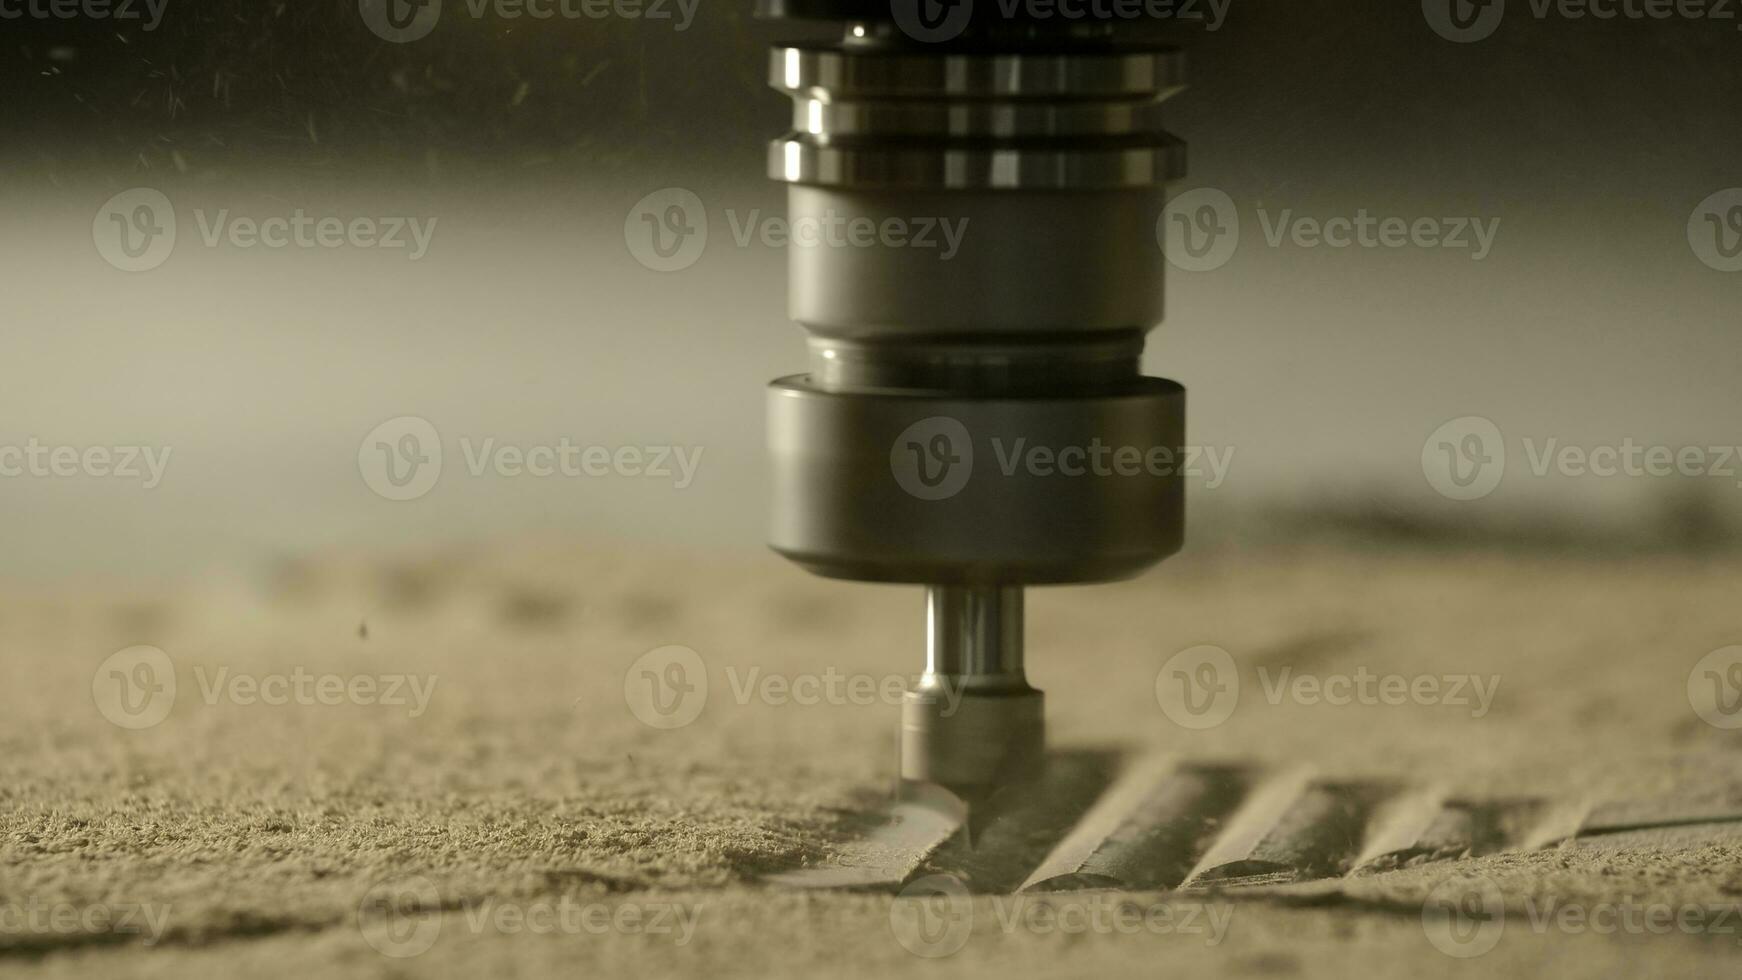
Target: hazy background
<point x="529" y="320"/>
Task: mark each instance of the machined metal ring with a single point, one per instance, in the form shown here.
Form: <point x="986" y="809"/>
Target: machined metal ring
<point x="1016" y="120"/>
<point x="800" y="161"/>
<point x="838" y="74"/>
<point x="974" y="120"/>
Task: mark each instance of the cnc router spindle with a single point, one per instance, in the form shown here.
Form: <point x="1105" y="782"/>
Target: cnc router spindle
<point x="973" y="424"/>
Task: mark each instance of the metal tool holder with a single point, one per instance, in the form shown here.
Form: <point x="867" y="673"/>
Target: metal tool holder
<point x="980" y="423"/>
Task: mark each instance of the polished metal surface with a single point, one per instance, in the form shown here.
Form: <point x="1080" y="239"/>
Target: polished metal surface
<point x="846" y="504"/>
<point x="1052" y="267"/>
<point x="801" y="160"/>
<point x="1004" y="367"/>
<point x="973" y="635"/>
<point x="835" y="73"/>
<point x="837" y="119"/>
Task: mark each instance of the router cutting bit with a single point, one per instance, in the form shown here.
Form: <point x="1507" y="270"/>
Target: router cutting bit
<point x="977" y="421"/>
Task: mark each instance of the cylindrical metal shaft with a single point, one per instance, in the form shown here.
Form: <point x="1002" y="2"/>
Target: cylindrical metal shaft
<point x="974" y="635"/>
